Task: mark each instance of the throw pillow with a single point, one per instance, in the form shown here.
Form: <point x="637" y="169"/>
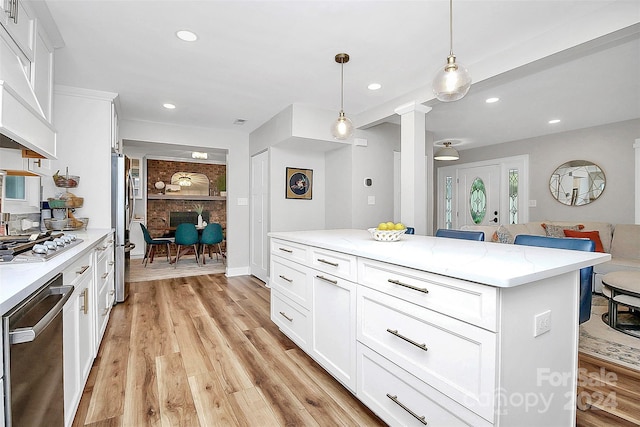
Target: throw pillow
<point x="502" y="235"/>
<point x="558" y="230"/>
<point x="593" y="235"/>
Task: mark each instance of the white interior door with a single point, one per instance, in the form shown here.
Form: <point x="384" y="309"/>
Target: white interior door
<point x="259" y="215"/>
<point x="479" y="195"/>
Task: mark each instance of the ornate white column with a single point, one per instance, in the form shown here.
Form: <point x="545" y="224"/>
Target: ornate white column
<point x="636" y="145"/>
<point x="413" y="173"/>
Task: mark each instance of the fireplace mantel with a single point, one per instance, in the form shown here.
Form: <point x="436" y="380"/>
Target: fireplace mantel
<point x="183" y="197"/>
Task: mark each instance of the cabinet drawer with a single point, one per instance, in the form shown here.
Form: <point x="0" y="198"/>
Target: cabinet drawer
<point x="292" y="319"/>
<point x="288" y="250"/>
<point x="336" y="263"/>
<point x="78" y="270"/>
<point x="401" y="399"/>
<point x="470" y="302"/>
<point x="291" y="279"/>
<point x="453" y="357"/>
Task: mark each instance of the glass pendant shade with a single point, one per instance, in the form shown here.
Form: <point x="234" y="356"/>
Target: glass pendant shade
<point x="342" y="128"/>
<point x="452" y="82"/>
<point x="447" y="153"/>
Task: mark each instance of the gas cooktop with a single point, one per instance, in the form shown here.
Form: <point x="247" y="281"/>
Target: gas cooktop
<point x="36" y="248"/>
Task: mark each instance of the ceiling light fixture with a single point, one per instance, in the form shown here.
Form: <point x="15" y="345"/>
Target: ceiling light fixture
<point x="199" y="155"/>
<point x="374" y="86"/>
<point x="453" y="81"/>
<point x="342" y="128"/>
<point x="554" y="121"/>
<point x="169" y="106"/>
<point x="186" y="35"/>
<point x="184" y="181"/>
<point x="491" y="100"/>
<point x="447" y="152"/>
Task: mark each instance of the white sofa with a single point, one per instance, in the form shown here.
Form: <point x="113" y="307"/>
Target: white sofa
<point x="622" y="241"/>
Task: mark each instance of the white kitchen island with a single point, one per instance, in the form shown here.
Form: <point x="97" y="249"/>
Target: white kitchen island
<point x="435" y="331"/>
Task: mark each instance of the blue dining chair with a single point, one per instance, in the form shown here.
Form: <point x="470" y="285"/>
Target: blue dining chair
<point x="151" y="245"/>
<point x="211" y="235"/>
<point x="460" y="234"/>
<point x="186" y="235"/>
<point x="586" y="274"/>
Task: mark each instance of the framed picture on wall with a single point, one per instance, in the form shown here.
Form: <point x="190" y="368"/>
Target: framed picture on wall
<point x="299" y="183"/>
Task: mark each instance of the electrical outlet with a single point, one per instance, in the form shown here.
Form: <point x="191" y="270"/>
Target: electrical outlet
<point x="542" y="322"/>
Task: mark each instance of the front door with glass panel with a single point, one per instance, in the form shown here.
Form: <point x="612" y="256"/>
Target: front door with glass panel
<point x="479" y="195"/>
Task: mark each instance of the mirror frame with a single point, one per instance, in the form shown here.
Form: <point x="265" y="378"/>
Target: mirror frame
<point x="577" y="183"/>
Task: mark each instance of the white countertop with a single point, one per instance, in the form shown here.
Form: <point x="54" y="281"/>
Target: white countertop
<point x="19" y="280"/>
<point x="495" y="264"/>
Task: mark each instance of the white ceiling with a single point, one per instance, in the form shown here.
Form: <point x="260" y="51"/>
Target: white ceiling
<point x="254" y="58"/>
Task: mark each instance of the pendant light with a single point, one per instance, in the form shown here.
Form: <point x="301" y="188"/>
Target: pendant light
<point x="447" y="152"/>
<point x="453" y="81"/>
<point x="342" y="128"/>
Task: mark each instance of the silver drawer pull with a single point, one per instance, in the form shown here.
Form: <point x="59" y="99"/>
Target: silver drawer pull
<point x="286" y="278"/>
<point x="324" y="261"/>
<point x="82" y="269"/>
<point x="289" y="251"/>
<point x="415" y="288"/>
<point x="286" y="317"/>
<point x="409" y="340"/>
<point x="104" y="276"/>
<point x="335" y="282"/>
<point x="400" y="404"/>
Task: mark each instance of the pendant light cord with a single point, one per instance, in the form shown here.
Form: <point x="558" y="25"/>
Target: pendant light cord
<point x="450" y="27"/>
<point x="342" y="85"/>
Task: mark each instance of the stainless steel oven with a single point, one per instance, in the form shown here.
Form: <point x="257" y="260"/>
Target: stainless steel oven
<point x="33" y="368"/>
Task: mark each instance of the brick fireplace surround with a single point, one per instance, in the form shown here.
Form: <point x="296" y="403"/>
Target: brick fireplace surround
<point x="158" y="210"/>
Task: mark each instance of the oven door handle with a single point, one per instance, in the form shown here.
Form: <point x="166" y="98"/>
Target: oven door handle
<point x="28" y="334"/>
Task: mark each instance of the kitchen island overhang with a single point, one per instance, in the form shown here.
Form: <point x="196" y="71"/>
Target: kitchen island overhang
<point x="486" y="297"/>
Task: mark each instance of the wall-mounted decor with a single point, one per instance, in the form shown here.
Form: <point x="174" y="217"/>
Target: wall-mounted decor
<point x="299" y="183"/>
<point x="577" y="183"/>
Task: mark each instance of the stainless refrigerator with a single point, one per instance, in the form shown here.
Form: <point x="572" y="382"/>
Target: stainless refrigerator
<point x="122" y="208"/>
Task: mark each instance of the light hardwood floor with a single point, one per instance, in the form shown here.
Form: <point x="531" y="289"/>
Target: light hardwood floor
<point x="202" y="350"/>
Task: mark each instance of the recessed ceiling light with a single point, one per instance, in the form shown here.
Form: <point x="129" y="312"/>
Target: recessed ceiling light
<point x="168" y="106"/>
<point x="186" y="35"/>
<point x="554" y="121"/>
<point x="374" y="86"/>
<point x="491" y="100"/>
<point x="239" y="122"/>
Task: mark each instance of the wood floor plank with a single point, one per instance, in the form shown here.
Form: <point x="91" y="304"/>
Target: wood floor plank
<point x="231" y="372"/>
<point x="176" y="402"/>
<point x="254" y="408"/>
<point x="362" y="415"/>
<point x="182" y="305"/>
<point x="211" y="401"/>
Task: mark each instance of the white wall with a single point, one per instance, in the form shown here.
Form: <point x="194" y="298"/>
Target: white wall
<point x="238" y="173"/>
<point x="609" y="146"/>
<point x="340" y="188"/>
<point x="296" y="214"/>
<point x="374" y="161"/>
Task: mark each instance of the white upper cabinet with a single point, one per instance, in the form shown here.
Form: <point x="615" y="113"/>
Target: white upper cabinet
<point x="42" y="73"/>
<point x="18" y="20"/>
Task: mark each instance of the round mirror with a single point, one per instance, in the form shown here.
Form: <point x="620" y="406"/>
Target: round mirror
<point x="577" y="183"/>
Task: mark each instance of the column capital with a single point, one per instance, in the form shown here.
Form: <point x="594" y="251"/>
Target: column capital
<point x="410" y="107"/>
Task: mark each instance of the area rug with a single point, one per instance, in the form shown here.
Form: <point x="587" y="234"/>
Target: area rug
<point x="161" y="269"/>
<point x="599" y="340"/>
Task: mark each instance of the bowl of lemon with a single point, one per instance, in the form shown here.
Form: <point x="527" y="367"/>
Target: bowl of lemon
<point x="388" y="231"/>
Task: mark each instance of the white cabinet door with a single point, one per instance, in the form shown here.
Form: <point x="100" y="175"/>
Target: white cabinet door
<point x="333" y="317"/>
<point x="77" y="342"/>
<point x="21" y="29"/>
